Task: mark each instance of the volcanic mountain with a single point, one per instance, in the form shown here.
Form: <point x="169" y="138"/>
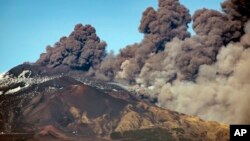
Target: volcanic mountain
<point x="78" y="91"/>
<point x="73" y="107"/>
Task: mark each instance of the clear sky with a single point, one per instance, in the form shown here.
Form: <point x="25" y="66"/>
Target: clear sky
<point x="28" y="26"/>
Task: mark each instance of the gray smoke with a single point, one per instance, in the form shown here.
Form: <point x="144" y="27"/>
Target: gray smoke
<point x="205" y="75"/>
<point x="220" y="91"/>
<point x="81" y="50"/>
<point x="159" y="26"/>
<point x="237" y="9"/>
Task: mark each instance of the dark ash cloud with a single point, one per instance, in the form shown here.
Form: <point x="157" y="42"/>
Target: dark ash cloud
<point x="81" y="50"/>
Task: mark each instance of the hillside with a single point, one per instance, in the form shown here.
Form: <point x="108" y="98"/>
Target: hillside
<point x="66" y="108"/>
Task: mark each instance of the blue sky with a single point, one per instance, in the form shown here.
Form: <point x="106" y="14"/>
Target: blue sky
<point x="28" y="26"/>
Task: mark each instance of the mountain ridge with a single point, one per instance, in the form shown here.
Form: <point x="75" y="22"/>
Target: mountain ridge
<point x="63" y="108"/>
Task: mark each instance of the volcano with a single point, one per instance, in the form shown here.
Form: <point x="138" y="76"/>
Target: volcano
<point x="39" y="106"/>
<point x="170" y="86"/>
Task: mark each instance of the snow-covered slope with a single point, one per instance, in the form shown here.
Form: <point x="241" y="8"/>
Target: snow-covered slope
<point x="10" y="84"/>
<point x="1" y="76"/>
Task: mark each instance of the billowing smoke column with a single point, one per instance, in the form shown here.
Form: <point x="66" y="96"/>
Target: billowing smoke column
<point x="81" y="50"/>
<point x="213" y="30"/>
<point x="169" y="21"/>
<point x="237" y="9"/>
<point x="221" y="90"/>
<point x="205" y="75"/>
<point x="159" y="27"/>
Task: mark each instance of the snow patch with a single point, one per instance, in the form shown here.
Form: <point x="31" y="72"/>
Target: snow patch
<point x="16" y="89"/>
<point x="6" y="81"/>
<point x="2" y="76"/>
<point x="22" y="75"/>
<point x="13" y="90"/>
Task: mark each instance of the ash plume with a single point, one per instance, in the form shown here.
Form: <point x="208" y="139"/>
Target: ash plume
<point x="216" y="64"/>
<point x="237" y="9"/>
<point x="169" y="21"/>
<point x="213" y="30"/>
<point x="204" y="75"/>
<point x="159" y="27"/>
<point x="81" y="50"/>
<point x="220" y="91"/>
<point x="217" y="25"/>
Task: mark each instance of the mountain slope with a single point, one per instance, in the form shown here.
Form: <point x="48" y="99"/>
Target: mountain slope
<point x="66" y="108"/>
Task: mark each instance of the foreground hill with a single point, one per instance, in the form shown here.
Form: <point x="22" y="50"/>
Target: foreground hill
<point x="60" y="107"/>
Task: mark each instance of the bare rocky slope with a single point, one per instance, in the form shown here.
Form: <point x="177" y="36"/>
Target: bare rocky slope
<point x="72" y="107"/>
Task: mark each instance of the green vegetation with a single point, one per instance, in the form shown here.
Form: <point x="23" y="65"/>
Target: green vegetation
<point x="153" y="134"/>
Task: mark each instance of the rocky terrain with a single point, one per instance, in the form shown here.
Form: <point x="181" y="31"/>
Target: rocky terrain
<point x="66" y="107"/>
<point x="77" y="91"/>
